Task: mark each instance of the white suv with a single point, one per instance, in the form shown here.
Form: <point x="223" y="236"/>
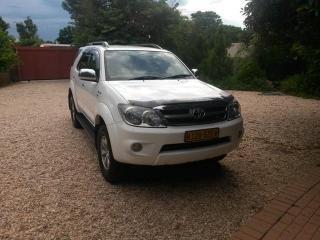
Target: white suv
<point x="141" y="105"/>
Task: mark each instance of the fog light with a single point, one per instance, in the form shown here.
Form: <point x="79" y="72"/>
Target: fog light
<point x="136" y="147"/>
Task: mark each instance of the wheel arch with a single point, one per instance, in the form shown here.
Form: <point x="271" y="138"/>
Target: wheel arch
<point x="70" y="94"/>
<point x="103" y="117"/>
<point x="97" y="123"/>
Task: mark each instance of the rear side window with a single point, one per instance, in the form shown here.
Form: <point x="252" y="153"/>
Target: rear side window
<point x="90" y="60"/>
<point x="94" y="62"/>
<point x="84" y="61"/>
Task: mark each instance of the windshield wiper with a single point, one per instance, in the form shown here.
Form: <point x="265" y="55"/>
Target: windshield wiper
<point x="178" y="76"/>
<point x="145" y="78"/>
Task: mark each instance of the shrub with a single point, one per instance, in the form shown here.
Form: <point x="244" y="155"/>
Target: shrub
<point x="299" y="85"/>
<point x="292" y="84"/>
<point x="7" y="53"/>
<point x="246" y="76"/>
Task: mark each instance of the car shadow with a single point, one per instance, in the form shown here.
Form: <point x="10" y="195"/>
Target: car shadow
<point x="207" y="172"/>
<point x="198" y="172"/>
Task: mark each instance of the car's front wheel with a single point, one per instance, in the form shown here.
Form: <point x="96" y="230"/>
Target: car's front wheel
<point x="110" y="168"/>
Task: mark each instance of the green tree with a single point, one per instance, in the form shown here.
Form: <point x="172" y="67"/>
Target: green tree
<point x="66" y="35"/>
<point x="216" y="64"/>
<point x="285" y="35"/>
<point x="193" y="38"/>
<point x="7" y="53"/>
<point x="27" y="31"/>
<point x="121" y="21"/>
<point x="202" y="44"/>
<point x="205" y="27"/>
<point x="179" y="41"/>
<point x="233" y="34"/>
<point x="4" y="26"/>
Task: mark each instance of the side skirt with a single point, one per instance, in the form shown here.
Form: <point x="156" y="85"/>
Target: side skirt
<point x="87" y="126"/>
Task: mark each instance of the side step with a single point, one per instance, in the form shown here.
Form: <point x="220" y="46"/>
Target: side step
<point x="87" y="126"/>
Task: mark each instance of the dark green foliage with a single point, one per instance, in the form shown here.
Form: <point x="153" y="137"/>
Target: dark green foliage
<point x="66" y="35"/>
<point x="293" y="84"/>
<point x="121" y="21"/>
<point x="286" y="37"/>
<point x="27" y="31"/>
<point x="216" y="64"/>
<point x="201" y="43"/>
<point x="4" y="26"/>
<point x="248" y="76"/>
<point x="7" y="53"/>
<point x="233" y="34"/>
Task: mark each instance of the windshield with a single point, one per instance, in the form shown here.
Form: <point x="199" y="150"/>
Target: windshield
<point x="144" y="65"/>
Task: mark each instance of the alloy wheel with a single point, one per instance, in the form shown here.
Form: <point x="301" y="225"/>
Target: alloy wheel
<point x="105" y="152"/>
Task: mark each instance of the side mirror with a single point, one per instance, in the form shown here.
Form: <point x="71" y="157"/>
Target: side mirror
<point x="195" y="72"/>
<point x="88" y="75"/>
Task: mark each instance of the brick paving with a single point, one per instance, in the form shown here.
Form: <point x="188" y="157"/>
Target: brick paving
<point x="293" y="214"/>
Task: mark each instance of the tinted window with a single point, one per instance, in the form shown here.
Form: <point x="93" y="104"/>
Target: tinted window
<point x="125" y="65"/>
<point x="84" y="61"/>
<point x="94" y="62"/>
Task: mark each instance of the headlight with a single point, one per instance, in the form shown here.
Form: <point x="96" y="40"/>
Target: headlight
<point x="141" y="117"/>
<point x="234" y="110"/>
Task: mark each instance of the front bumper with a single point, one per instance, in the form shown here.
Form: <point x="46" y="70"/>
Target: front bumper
<point x="122" y="136"/>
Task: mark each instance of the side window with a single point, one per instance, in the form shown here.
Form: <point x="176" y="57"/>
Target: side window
<point x="84" y="61"/>
<point x="94" y="61"/>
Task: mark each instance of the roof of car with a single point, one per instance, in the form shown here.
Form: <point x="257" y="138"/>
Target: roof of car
<point x="133" y="47"/>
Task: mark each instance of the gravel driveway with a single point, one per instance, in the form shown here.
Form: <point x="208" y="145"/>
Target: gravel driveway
<point x="51" y="187"/>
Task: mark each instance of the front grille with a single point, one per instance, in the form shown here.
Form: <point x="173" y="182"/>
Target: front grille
<point x="181" y="114"/>
<point x="188" y="146"/>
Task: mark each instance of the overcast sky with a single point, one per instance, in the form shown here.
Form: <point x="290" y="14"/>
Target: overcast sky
<point x="50" y="17"/>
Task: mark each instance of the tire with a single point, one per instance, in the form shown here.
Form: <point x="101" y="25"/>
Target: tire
<point x="110" y="168"/>
<point x="74" y="113"/>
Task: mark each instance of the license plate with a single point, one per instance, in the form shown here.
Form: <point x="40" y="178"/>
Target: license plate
<point x="201" y="135"/>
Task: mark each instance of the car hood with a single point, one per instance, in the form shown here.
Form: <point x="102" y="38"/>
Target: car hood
<point x="151" y="93"/>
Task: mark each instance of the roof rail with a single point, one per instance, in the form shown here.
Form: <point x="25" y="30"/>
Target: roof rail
<point x="152" y="45"/>
<point x="105" y="44"/>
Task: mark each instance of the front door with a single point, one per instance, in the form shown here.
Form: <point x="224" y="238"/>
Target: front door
<point x="90" y="95"/>
<point x="80" y="85"/>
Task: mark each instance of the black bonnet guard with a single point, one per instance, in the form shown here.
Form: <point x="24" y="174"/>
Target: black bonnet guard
<point x="153" y="104"/>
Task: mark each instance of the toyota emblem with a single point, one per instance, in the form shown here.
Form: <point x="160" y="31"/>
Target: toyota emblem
<point x="197" y="113"/>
